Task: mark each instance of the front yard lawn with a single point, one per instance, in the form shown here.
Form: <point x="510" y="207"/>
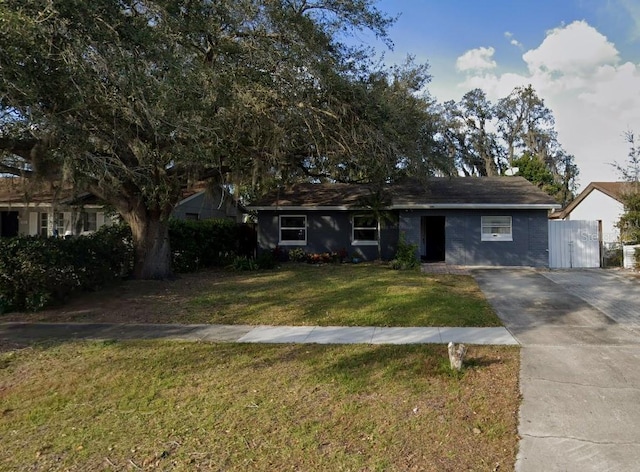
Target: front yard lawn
<point x="150" y="405"/>
<point x="295" y="294"/>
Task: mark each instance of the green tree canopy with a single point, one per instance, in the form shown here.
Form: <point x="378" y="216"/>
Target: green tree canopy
<point x="481" y="138"/>
<point x="134" y="100"/>
<point x="629" y="223"/>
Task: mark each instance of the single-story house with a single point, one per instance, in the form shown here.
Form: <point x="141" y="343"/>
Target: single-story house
<point x="497" y="221"/>
<point x="204" y="203"/>
<point x="39" y="210"/>
<point x="598" y="201"/>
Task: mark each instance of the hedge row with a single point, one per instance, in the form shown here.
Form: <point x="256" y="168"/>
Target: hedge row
<point x="207" y="243"/>
<point x="36" y="272"/>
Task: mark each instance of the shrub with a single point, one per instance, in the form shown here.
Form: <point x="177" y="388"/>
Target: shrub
<point x="36" y="272"/>
<point x="244" y="263"/>
<point x="200" y="244"/>
<point x="297" y="255"/>
<point x="405" y="256"/>
<point x="613" y="257"/>
<point x="326" y="257"/>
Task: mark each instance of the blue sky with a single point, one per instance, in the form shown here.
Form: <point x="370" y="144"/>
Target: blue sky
<point x="581" y="56"/>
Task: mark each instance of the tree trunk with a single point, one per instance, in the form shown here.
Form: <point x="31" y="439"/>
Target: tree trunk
<point x="152" y="252"/>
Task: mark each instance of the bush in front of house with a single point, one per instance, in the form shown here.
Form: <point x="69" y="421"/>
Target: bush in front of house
<point x="204" y="243"/>
<point x="243" y="263"/>
<point x="265" y="261"/>
<point x="36" y="272"/>
<point x="406" y="255"/>
<point x="297" y="255"/>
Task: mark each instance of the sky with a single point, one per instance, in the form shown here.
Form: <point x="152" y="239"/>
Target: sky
<point x="581" y="56"/>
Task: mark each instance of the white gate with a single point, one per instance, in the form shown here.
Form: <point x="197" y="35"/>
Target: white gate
<point x="574" y="244"/>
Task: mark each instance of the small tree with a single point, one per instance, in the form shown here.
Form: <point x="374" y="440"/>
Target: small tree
<point x="406" y="256"/>
<point x="629" y="223"/>
<point x="377" y="203"/>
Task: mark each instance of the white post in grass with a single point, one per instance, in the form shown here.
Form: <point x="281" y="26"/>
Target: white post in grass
<point x="456" y="355"/>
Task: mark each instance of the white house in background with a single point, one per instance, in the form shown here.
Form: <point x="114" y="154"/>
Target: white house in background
<point x="39" y="210"/>
<point x="598" y="201"/>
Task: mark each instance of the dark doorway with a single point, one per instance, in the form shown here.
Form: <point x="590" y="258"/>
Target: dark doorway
<point x="433" y="227"/>
<point x="8" y="224"/>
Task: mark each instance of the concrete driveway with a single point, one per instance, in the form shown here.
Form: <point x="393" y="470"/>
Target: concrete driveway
<point x="580" y="369"/>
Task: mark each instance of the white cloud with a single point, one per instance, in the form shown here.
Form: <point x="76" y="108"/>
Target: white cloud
<point x="476" y="60"/>
<point x="593" y="93"/>
<point x="513" y="41"/>
<point x="614" y="88"/>
<point x="576" y="48"/>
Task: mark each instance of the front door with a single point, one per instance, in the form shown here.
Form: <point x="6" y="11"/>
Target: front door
<point x="433" y="227"/>
<point x="8" y="224"/>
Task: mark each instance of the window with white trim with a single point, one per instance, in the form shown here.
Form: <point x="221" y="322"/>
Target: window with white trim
<point x="87" y="221"/>
<point x="293" y="230"/>
<point x="365" y="230"/>
<point x="497" y="228"/>
<point x="58" y="224"/>
<point x="43" y="228"/>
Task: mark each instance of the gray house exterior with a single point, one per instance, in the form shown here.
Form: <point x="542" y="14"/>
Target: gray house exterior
<point x="472" y="221"/>
<point x="205" y="204"/>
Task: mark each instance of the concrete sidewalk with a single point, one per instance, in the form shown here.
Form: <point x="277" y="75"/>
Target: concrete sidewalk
<point x="38" y="332"/>
<point x="580" y="376"/>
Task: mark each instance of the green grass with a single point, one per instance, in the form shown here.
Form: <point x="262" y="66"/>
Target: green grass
<point x="178" y="406"/>
<point x="346" y="295"/>
<point x="294" y="294"/>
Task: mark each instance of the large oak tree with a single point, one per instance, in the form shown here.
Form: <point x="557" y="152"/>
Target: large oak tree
<point x="134" y="100"/>
<point x="519" y="131"/>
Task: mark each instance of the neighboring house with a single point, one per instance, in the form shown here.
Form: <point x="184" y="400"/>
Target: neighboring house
<point x="201" y="203"/>
<point x="39" y="210"/>
<point x="598" y="201"/>
<point x="499" y="221"/>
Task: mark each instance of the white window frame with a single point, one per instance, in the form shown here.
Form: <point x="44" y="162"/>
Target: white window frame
<point x="486" y="223"/>
<point x="58" y="222"/>
<point x="44" y="224"/>
<point x="354" y="228"/>
<point x="292" y="242"/>
<point x="87" y="219"/>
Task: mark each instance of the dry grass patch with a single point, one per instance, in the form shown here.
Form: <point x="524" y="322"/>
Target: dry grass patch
<point x="295" y="294"/>
<point x="177" y="406"/>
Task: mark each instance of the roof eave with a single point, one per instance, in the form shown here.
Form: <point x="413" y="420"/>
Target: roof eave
<point x="478" y="206"/>
<point x="419" y="206"/>
<point x="300" y="207"/>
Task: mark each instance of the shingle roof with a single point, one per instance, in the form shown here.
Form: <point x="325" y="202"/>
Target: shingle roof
<point x="434" y="192"/>
<point x="614" y="190"/>
<point x="19" y="192"/>
<point x="15" y="190"/>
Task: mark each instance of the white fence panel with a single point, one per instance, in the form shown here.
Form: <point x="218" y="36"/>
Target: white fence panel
<point x="629" y="256"/>
<point x="574" y="244"/>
